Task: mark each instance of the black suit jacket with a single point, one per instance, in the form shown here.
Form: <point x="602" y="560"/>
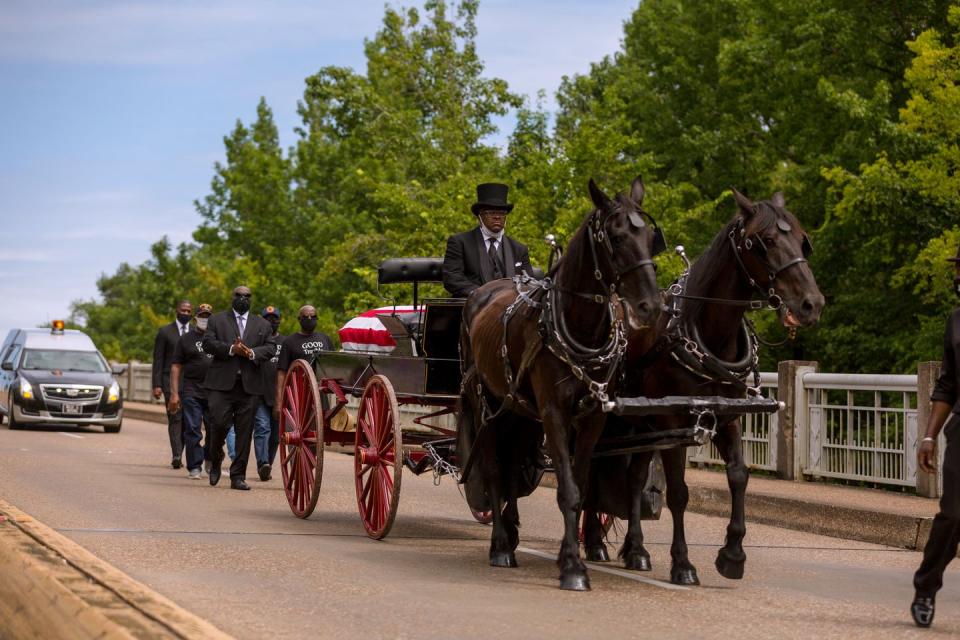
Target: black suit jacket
<point x="217" y="340"/>
<point x="945" y="390"/>
<point x="466" y="266"/>
<point x="163" y="346"/>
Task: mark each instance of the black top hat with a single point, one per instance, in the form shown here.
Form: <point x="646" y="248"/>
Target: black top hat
<point x="491" y="195"/>
<point x="957" y="259"/>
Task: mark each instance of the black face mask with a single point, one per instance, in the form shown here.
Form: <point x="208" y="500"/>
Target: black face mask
<point x="308" y="324"/>
<point x="274" y="324"/>
<point x="956" y="286"/>
<point x="184" y="318"/>
<point x="241" y="305"/>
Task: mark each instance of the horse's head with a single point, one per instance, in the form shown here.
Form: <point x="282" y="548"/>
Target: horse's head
<point x="624" y="239"/>
<point x="772" y="249"/>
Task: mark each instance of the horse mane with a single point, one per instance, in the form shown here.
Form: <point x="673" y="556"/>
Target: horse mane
<point x="715" y="261"/>
<point x="622" y="200"/>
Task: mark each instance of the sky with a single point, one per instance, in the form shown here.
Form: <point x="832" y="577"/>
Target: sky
<point x="112" y="114"/>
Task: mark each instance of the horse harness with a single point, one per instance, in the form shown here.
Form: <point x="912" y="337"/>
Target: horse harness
<point x="595" y="367"/>
<point x="682" y="339"/>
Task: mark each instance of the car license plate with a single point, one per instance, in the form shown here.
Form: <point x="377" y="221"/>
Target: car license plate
<point x="72" y="407"/>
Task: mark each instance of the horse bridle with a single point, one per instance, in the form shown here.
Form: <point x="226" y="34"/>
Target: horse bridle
<point x="741" y="242"/>
<point x="599" y="236"/>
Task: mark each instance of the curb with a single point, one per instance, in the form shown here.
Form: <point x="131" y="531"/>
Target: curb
<point x="52" y="587"/>
<point x="861" y="525"/>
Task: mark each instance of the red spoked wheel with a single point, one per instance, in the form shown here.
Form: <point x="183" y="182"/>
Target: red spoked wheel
<point x="483" y="517"/>
<point x="301" y="439"/>
<point x="606" y="523"/>
<point x="376" y="461"/>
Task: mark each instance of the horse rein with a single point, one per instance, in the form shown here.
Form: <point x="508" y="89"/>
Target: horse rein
<point x="774" y="300"/>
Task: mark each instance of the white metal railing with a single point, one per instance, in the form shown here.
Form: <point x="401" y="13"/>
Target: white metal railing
<point x="861" y="427"/>
<point x="856" y="427"/>
<point x="759" y="435"/>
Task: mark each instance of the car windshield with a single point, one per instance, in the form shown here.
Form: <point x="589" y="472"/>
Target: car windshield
<point x="89" y="361"/>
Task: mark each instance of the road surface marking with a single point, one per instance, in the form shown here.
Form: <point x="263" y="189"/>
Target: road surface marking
<point x="617" y="572"/>
<point x="70" y="435"/>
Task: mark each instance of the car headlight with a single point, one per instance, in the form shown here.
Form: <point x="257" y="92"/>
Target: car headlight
<point x="114" y="394"/>
<point x="26" y="390"/>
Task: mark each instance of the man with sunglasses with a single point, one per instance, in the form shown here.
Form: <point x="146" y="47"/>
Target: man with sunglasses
<point x="302" y="345"/>
<point x="485" y="253"/>
<point x="239" y="342"/>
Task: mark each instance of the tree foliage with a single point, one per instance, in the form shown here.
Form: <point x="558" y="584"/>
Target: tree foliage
<point x="850" y="108"/>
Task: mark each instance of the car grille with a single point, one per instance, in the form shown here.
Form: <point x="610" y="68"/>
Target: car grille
<point x="80" y="393"/>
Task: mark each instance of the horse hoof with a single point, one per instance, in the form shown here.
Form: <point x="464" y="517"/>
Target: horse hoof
<point x="686" y="577"/>
<point x="637" y="562"/>
<point x="575" y="582"/>
<point x="729" y="568"/>
<point x="597" y="554"/>
<point x="503" y="559"/>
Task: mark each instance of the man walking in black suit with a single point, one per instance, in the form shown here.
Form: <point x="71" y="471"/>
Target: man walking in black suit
<point x="163" y="346"/>
<point x="239" y="342"/>
<point x="944" y="538"/>
<point x="485" y="253"/>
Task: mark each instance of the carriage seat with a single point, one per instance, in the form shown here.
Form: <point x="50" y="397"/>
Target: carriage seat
<point x="397" y="270"/>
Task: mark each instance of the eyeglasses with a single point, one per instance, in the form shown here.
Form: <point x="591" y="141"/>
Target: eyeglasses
<point x="243" y="295"/>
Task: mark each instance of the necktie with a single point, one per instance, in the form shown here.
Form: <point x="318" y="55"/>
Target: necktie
<point x="494" y="258"/>
<point x="181" y="328"/>
<point x="240" y="325"/>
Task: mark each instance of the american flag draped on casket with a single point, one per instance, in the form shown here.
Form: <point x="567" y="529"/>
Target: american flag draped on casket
<point x="366" y="334"/>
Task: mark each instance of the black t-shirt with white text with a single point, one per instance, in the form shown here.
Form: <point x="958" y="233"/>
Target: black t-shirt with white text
<point x="301" y="347"/>
<point x="188" y="353"/>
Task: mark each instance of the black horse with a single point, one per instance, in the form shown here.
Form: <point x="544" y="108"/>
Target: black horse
<point x="548" y="353"/>
<point x="704" y="347"/>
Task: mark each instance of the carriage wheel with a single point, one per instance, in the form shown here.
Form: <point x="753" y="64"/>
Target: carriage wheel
<point x="606" y="523"/>
<point x="301" y="439"/>
<point x="379" y="449"/>
<point x="483" y="517"/>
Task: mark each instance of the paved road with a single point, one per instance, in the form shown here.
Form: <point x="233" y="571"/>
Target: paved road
<point x="242" y="561"/>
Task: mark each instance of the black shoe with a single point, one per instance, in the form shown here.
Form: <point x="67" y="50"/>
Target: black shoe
<point x="176" y="464"/>
<point x="214" y="476"/>
<point x="922" y="611"/>
<point x="239" y="485"/>
<point x="264" y="471"/>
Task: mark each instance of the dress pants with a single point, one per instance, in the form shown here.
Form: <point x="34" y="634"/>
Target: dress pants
<point x="235" y="407"/>
<point x="174" y="429"/>
<point x="941" y="547"/>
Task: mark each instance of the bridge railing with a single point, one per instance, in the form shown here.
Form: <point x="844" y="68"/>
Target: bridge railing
<point x="855" y="427"/>
<point x="759" y="435"/>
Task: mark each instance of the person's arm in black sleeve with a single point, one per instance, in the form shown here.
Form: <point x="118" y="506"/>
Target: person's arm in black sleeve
<point x="454" y="279"/>
<point x="265" y="351"/>
<point x="158" y="359"/>
<point x="524" y="259"/>
<point x="942" y="400"/>
<point x="213" y="344"/>
<point x="945" y="390"/>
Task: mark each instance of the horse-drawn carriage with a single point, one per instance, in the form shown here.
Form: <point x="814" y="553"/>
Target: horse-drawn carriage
<point x="428" y="365"/>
